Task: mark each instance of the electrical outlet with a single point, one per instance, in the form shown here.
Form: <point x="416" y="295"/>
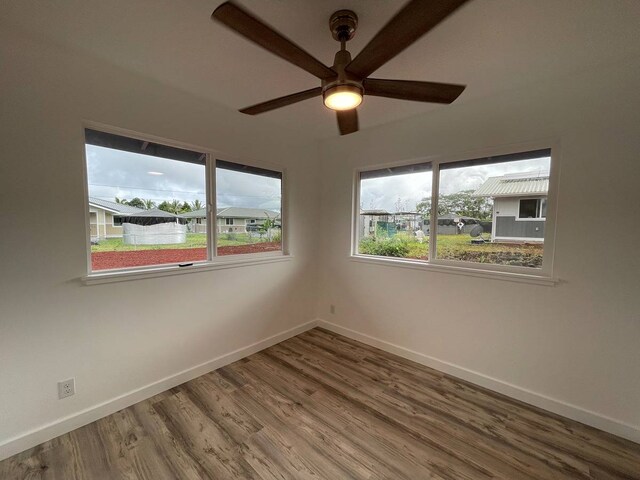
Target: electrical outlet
<point x="67" y="388"/>
<point x="332" y="309"/>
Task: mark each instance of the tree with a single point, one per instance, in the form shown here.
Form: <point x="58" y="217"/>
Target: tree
<point x="175" y="206"/>
<point x="149" y="204"/>
<point x="424" y="207"/>
<point x="121" y="200"/>
<point x="196" y="205"/>
<point x="267" y="226"/>
<point x="165" y="206"/>
<point x="136" y="202"/>
<point x="462" y="203"/>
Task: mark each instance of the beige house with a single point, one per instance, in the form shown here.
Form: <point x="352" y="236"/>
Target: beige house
<point x="230" y="219"/>
<point x="105" y="218"/>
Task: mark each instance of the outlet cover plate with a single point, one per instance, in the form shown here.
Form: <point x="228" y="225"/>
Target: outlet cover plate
<point x="66" y="388"/>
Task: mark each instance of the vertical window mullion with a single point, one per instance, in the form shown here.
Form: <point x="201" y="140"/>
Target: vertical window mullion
<point x="211" y="208"/>
<point x="433" y="224"/>
<point x="355" y="225"/>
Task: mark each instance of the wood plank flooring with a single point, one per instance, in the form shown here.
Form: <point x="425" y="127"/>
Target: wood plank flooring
<point x="322" y="406"/>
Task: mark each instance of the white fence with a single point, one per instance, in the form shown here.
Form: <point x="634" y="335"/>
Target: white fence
<point x="159" y="234"/>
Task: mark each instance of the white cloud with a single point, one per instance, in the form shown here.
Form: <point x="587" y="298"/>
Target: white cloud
<point x="114" y="173"/>
<point x="383" y="193"/>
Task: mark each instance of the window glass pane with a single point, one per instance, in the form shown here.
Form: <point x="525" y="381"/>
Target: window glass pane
<point x="249" y="216"/>
<point x="486" y="213"/>
<point x="529" y="208"/>
<point x="393" y="206"/>
<point x="142" y="207"/>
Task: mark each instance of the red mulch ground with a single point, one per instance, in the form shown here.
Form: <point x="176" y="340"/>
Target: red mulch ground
<point x="139" y="258"/>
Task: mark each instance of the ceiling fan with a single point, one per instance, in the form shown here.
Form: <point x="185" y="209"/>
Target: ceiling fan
<point x="346" y="81"/>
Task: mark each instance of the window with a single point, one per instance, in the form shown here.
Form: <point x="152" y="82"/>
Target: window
<point x="487" y="213"/>
<point x="148" y="205"/>
<point x="392" y="206"/>
<point x="531" y="208"/>
<point x="244" y="192"/>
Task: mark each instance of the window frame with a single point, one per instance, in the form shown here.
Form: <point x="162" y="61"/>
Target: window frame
<point x="213" y="261"/>
<point x="543" y="276"/>
<point x="539" y="201"/>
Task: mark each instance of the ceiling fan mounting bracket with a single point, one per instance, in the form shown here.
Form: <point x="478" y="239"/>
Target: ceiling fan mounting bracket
<point x="343" y="24"/>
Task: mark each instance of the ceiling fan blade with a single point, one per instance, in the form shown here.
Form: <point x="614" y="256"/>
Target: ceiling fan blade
<point x="282" y="101"/>
<point x="250" y="27"/>
<point x="347" y="121"/>
<point x="414" y="20"/>
<point x="412" y="90"/>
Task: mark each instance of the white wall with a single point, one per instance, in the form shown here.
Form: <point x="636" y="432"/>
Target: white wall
<point x="574" y="347"/>
<point x="115" y="338"/>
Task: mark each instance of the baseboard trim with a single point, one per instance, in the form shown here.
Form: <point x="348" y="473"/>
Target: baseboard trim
<point x="66" y="424"/>
<point x="574" y="412"/>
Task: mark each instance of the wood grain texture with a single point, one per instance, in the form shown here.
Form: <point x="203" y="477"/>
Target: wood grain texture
<point x="322" y="406"/>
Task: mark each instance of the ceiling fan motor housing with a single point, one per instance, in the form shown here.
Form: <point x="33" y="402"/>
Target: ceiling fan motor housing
<point x="343" y="77"/>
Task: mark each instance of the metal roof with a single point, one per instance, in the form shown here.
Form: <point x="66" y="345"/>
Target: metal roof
<point x="151" y="213"/>
<point x="233" y="212"/>
<point x="515" y="185"/>
<point x="114" y="207"/>
<point x="374" y="212"/>
<point x="200" y="213"/>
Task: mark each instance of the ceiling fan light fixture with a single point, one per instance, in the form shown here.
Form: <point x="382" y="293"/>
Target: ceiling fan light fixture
<point x="342" y="97"/>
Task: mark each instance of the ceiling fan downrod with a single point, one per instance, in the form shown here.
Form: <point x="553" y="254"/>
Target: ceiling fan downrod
<point x="344" y="91"/>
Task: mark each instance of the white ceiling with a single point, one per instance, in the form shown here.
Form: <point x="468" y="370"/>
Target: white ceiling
<point x="489" y="45"/>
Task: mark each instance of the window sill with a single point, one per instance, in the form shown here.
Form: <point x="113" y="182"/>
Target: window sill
<point x="220" y="263"/>
<point x="472" y="272"/>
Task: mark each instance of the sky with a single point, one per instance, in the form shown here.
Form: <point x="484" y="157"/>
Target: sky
<point x="385" y="192"/>
<point x="115" y="173"/>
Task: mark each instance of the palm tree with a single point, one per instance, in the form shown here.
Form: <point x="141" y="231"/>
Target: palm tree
<point x="175" y="206"/>
<point x="196" y="205"/>
<point x="149" y="204"/>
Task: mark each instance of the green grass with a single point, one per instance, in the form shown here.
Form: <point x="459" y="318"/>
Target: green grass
<point x="455" y="247"/>
<point x="194" y="240"/>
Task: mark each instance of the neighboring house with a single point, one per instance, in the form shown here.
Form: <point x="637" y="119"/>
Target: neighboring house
<point x="153" y="216"/>
<point x="369" y="220"/>
<point x="230" y="219"/>
<point x="105" y="217"/>
<point x="374" y="221"/>
<point x="196" y="220"/>
<point x="452" y="224"/>
<point x="519" y="205"/>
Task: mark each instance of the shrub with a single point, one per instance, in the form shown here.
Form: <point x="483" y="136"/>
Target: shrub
<point x="418" y="250"/>
<point x="276" y="236"/>
<point x="386" y="247"/>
